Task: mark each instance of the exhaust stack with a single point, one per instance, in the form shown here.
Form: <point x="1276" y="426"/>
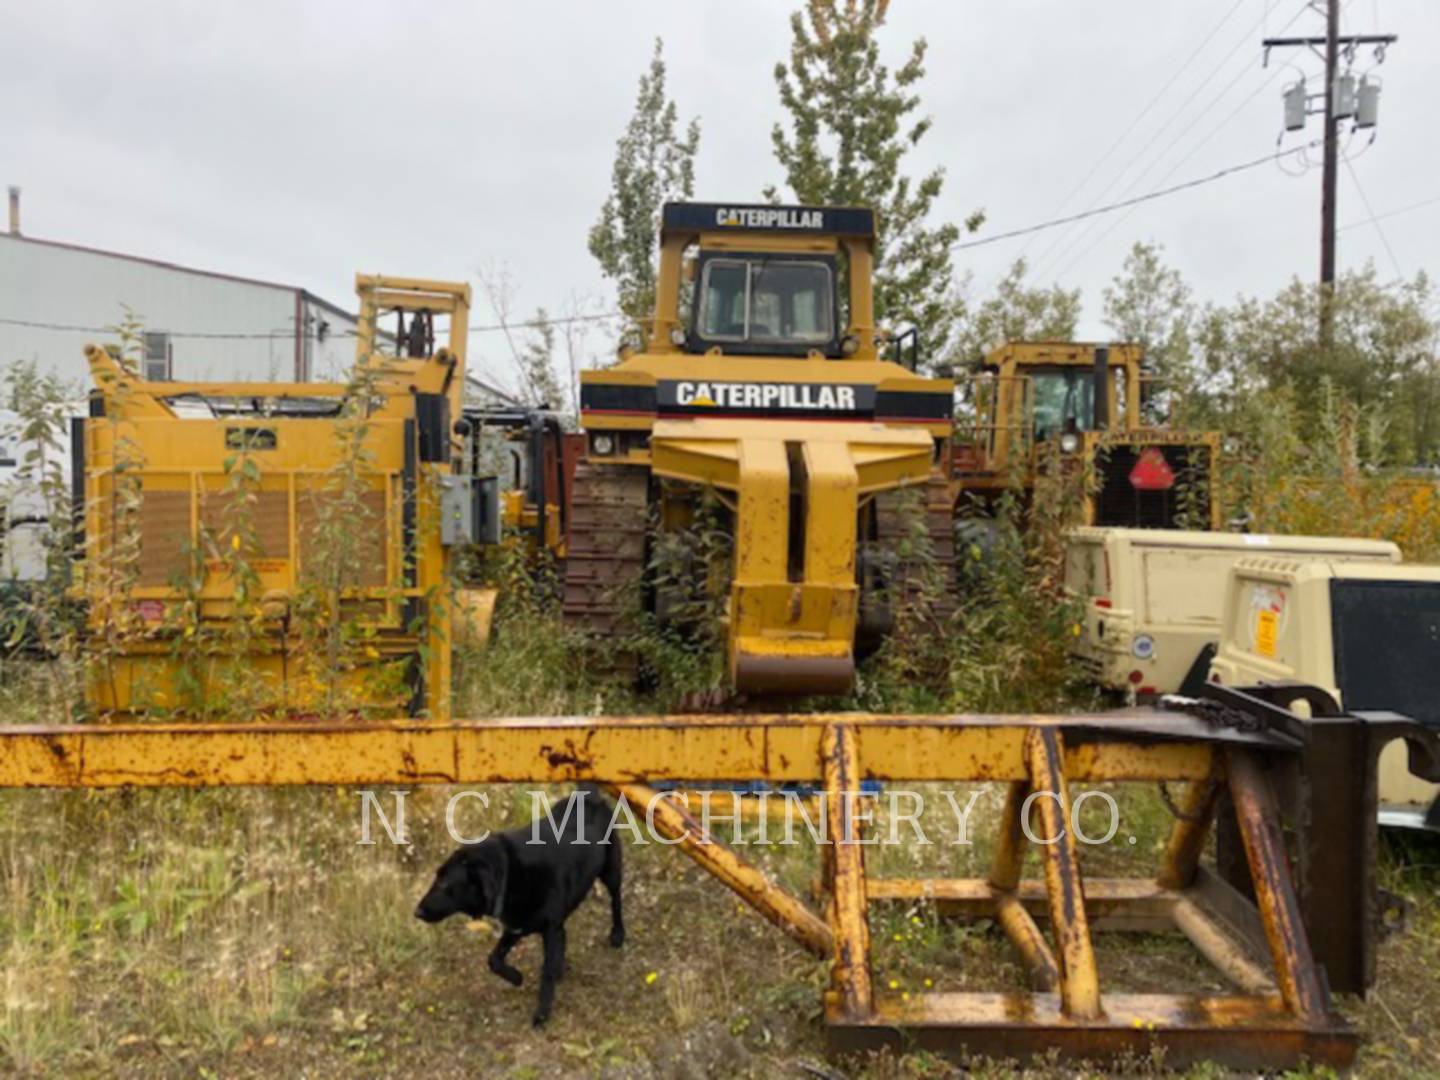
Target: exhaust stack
<point x="1102" y="388"/>
<point x="14" y="210"/>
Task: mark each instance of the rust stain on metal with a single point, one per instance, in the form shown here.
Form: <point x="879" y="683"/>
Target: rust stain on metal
<point x="845" y="866"/>
<point x="1079" y="979"/>
<point x="567" y="758"/>
<point x="1258" y="818"/>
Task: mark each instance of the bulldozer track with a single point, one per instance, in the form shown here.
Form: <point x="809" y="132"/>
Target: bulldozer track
<point x="606" y="557"/>
<point x="893" y="527"/>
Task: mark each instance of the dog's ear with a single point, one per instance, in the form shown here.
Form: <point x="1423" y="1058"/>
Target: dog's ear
<point x="486" y="876"/>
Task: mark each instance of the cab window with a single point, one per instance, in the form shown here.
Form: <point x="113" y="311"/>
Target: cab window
<point x="1064" y="400"/>
<point x="767" y="301"/>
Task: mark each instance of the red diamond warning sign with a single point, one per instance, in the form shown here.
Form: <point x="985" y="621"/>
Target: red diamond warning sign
<point x="1152" y="472"/>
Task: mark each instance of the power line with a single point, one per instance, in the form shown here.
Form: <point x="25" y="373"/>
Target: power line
<point x="1373" y="219"/>
<point x="1143" y="113"/>
<point x="1073" y="252"/>
<point x="289" y="335"/>
<point x="1084" y="251"/>
<point x="535" y="324"/>
<point x="1147" y="197"/>
<point x="1389" y="214"/>
<point x="1069" y="243"/>
<point x="274" y="336"/>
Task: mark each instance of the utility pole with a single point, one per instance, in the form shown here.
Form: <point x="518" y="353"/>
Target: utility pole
<point x="1330" y="172"/>
<point x="1341" y="102"/>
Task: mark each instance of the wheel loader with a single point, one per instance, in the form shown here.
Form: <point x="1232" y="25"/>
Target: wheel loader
<point x="761" y="380"/>
<point x="1086" y="404"/>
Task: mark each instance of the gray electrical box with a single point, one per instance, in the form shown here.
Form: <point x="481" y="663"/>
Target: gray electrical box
<point x="1344" y="100"/>
<point x="1367" y="107"/>
<point x="469" y="510"/>
<point x="1294" y="98"/>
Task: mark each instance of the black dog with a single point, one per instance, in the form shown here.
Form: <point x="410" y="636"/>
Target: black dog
<point x="531" y="888"/>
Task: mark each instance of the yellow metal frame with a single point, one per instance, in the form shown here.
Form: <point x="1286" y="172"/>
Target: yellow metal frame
<point x="140" y="434"/>
<point x="1280" y="1015"/>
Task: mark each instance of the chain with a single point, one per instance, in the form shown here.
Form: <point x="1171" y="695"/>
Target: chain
<point x="1216" y="714"/>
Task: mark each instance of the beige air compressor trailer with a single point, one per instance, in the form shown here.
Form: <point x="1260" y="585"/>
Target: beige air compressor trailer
<point x="1154" y="598"/>
<point x="1368" y="634"/>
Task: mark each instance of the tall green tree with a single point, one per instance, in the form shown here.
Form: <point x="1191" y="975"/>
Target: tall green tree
<point x="1150" y="304"/>
<point x="1384" y="357"/>
<point x="654" y="163"/>
<point x="851" y="122"/>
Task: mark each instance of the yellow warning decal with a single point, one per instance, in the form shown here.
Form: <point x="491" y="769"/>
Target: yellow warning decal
<point x="1267" y="632"/>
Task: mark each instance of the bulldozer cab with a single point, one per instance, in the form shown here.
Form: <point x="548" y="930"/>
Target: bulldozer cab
<point x="765" y="281"/>
<point x="761" y="382"/>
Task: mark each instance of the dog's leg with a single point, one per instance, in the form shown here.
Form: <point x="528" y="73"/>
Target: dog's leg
<point x="550" y="971"/>
<point x="508" y="940"/>
<point x="610" y="876"/>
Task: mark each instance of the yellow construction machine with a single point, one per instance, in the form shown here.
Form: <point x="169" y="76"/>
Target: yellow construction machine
<point x="1086" y="404"/>
<point x="761" y="380"/>
<point x="259" y="519"/>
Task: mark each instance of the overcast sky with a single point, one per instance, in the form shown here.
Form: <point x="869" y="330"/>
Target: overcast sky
<point x="301" y="142"/>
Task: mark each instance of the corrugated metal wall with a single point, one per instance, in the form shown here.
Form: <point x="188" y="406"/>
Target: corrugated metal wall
<point x="51" y="284"/>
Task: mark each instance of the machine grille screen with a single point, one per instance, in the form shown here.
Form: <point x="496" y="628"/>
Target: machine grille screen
<point x="1387" y="646"/>
<point x="1120" y="503"/>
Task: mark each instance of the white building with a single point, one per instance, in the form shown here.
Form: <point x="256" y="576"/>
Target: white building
<point x="198" y="325"/>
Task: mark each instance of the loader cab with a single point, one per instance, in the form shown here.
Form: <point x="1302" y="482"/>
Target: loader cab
<point x="765" y="281"/>
<point x="1070" y="387"/>
<point x="1063" y="400"/>
<point x="1033" y="392"/>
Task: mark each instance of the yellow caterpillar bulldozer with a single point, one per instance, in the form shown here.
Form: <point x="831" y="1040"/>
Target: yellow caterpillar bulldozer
<point x="1087" y="404"/>
<point x="761" y="380"/>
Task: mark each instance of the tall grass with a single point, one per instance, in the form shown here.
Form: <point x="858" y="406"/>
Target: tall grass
<point x="1325" y="474"/>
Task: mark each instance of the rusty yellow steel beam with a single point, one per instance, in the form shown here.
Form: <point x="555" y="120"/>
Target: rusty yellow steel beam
<point x="1110" y="904"/>
<point x="1226" y="954"/>
<point x="1187" y="839"/>
<point x="1008" y="862"/>
<point x="558" y="749"/>
<point x="1259" y="822"/>
<point x="1114" y="903"/>
<point x="1248" y="1033"/>
<point x="849" y="914"/>
<point x="1079" y="978"/>
<point x="1018" y="924"/>
<point x="673" y="821"/>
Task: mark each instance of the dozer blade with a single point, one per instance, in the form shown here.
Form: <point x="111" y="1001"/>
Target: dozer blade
<point x="798" y="486"/>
